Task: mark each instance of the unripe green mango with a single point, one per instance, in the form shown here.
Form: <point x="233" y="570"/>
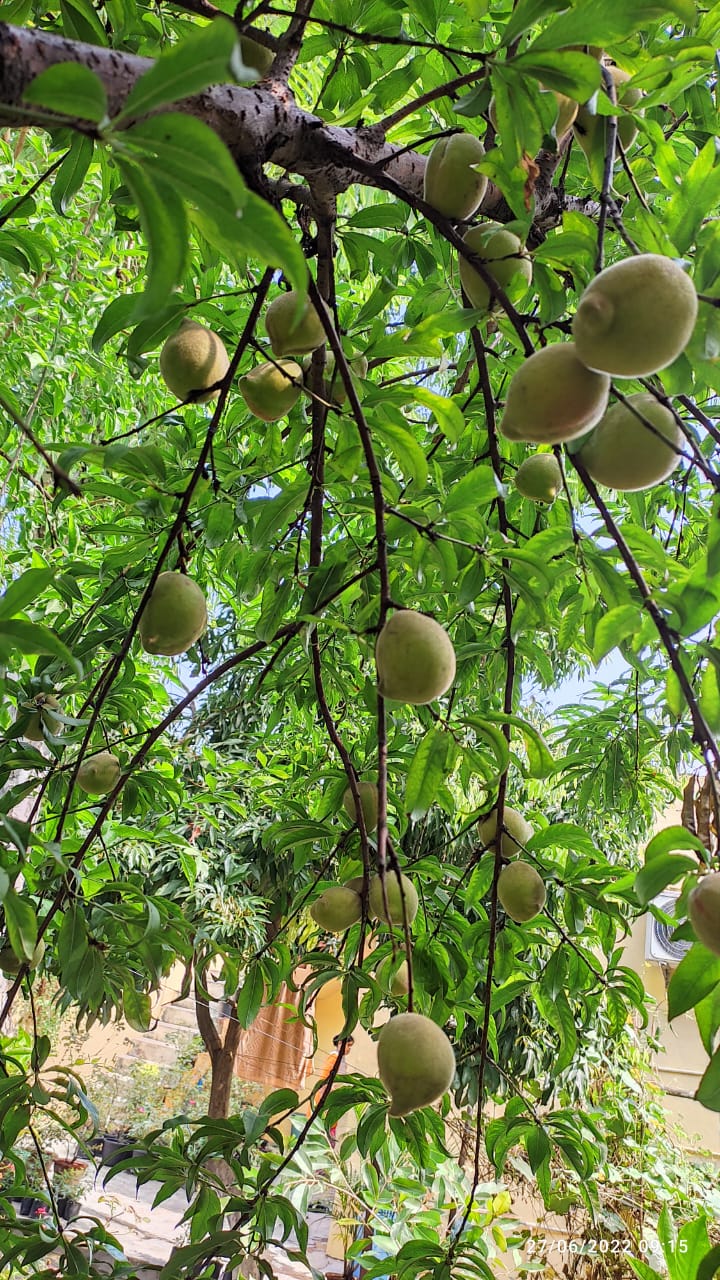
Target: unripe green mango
<point x="11" y="965"/>
<point x="369" y="802"/>
<point x="192" y="359"/>
<point x="98" y="774"/>
<point x="539" y="478"/>
<point x="553" y="396"/>
<point x="590" y="130"/>
<point x="521" y="891"/>
<point x="45" y="703"/>
<point x="415" y="658"/>
<point x="516" y="834"/>
<point x="397" y="983"/>
<point x="704" y="911"/>
<point x="623" y="453"/>
<point x="270" y="392"/>
<point x="256" y="55"/>
<point x="506" y="258"/>
<point x="174" y="617"/>
<point x="337" y="908"/>
<point x="396" y="898"/>
<point x="635" y="317"/>
<point x="293" y="334"/>
<point x="416" y="1062"/>
<point x="451" y="184"/>
<point x="336" y="390"/>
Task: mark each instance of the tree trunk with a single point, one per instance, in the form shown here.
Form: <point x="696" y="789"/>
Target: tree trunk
<point x="222" y="1064"/>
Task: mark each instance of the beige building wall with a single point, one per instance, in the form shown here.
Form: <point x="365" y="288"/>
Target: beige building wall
<point x="682" y="1060"/>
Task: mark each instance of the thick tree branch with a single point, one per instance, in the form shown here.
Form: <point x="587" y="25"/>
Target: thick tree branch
<point x="258" y="124"/>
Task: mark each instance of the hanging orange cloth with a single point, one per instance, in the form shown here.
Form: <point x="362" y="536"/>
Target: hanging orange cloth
<point x="277" y="1048"/>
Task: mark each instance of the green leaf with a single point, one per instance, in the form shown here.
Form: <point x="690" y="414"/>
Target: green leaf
<point x="71" y="174"/>
<point x="708" y="1092"/>
<point x="70" y="89"/>
<point x="263" y="234"/>
<point x="614" y="627"/>
<point x="446" y="413"/>
<point x="273" y="515"/>
<point x="428" y="769"/>
<point x="117" y="315"/>
<point x="709" y="1265"/>
<point x="136" y="1008"/>
<point x="164" y="223"/>
<point x="201" y="60"/>
<point x="24" y="591"/>
<point x="32" y="637"/>
<point x="81" y="22"/>
<point x="670" y="839"/>
<point x="251" y="996"/>
<point x="697" y="974"/>
<point x="475" y="489"/>
<point x="656" y="875"/>
<point x="577" y="75"/>
<point x="540" y="761"/>
<point x="389" y="426"/>
<point x="700" y="190"/>
<point x="525" y="14"/>
<point x="494" y="737"/>
<point x="188" y="154"/>
<point x="707" y="1016"/>
<point x="605" y="21"/>
<point x="21" y="923"/>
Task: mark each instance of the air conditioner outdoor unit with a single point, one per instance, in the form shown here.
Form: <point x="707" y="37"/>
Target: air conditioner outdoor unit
<point x="658" y="944"/>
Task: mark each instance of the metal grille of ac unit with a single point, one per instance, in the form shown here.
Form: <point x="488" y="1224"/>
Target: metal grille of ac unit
<point x="658" y="941"/>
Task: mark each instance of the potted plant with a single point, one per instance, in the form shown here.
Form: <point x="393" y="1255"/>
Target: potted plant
<point x="34" y="1204"/>
<point x="70" y="1180"/>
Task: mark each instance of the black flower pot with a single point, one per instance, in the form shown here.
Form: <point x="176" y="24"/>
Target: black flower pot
<point x="115" y="1148"/>
<point x="67" y="1208"/>
<point x="32" y="1207"/>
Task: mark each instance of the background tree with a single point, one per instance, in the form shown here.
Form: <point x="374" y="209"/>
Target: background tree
<point x="155" y="178"/>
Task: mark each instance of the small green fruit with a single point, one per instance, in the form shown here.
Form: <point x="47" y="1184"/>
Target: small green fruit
<point x="174" y="617"/>
<point x="369" y="802"/>
<point x="415" y="658"/>
<point x="291" y="334"/>
<point x="396" y="898"/>
<point x="554" y="396"/>
<point x="270" y="392"/>
<point x="336" y="390"/>
<point x="516" y="835"/>
<point x="416" y="1062"/>
<point x="10" y="964"/>
<point x="99" y="773"/>
<point x="567" y="109"/>
<point x="256" y="56"/>
<point x="521" y="891"/>
<point x="539" y="478"/>
<point x="42" y="718"/>
<point x="337" y="908"/>
<point x="193" y="359"/>
<point x="506" y="259"/>
<point x="626" y="455"/>
<point x="704" y="911"/>
<point x="590" y="129"/>
<point x="397" y="983"/>
<point x="452" y="185"/>
<point x="635" y="317"/>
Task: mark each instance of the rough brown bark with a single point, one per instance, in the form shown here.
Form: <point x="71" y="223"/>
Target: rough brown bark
<point x="223" y="1070"/>
<point x="258" y="125"/>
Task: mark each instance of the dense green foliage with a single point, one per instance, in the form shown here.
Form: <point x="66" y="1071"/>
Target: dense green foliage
<point x="304" y="533"/>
